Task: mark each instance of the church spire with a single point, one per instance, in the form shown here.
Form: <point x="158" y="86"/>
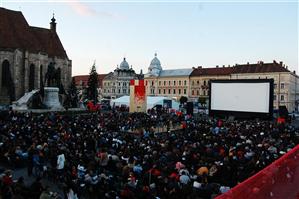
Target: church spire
<point x="53" y="23"/>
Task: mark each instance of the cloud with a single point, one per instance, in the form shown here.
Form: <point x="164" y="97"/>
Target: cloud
<point x="85" y="10"/>
<point x="81" y="8"/>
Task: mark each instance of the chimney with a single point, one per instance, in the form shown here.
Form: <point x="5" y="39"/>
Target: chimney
<point x="274" y="62"/>
<point x="217" y="66"/>
<point x="247" y="63"/>
<point x="280" y="63"/>
<point x="223" y="66"/>
<point x="294" y="72"/>
<point x="228" y="65"/>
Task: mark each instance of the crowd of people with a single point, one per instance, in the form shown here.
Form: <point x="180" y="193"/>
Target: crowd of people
<point x="121" y="155"/>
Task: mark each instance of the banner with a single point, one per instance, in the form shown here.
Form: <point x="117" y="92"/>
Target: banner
<point x="137" y="96"/>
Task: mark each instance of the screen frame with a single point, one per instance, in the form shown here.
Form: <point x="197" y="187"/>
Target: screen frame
<point x="243" y="114"/>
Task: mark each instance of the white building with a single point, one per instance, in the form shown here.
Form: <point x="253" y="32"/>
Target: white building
<point x="117" y="83"/>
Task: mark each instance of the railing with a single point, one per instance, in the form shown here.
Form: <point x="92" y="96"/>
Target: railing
<point x="279" y="180"/>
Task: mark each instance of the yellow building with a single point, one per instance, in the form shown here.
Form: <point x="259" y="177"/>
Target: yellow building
<point x="169" y="83"/>
<point x="286" y="83"/>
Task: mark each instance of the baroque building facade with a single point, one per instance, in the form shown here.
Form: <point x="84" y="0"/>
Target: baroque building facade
<point x="25" y="54"/>
<point x="172" y="83"/>
<point x="117" y="83"/>
<point x="286" y="83"/>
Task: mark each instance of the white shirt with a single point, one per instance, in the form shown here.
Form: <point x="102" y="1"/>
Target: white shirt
<point x="60" y="161"/>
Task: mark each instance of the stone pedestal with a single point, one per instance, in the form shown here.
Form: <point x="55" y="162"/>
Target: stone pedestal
<point x="51" y="98"/>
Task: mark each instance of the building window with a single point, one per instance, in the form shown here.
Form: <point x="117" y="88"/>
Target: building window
<point x="118" y="90"/>
<point x="179" y="91"/>
<point x="118" y="83"/>
<point x="204" y="82"/>
<point x="173" y="91"/>
<point x="197" y="92"/>
<point x="282" y="98"/>
<point x="192" y="92"/>
<point x="164" y="91"/>
<point x="180" y="82"/>
<point x="104" y="90"/>
<point x="275" y="86"/>
<point x="152" y="83"/>
<point x="124" y="84"/>
<point x="169" y="91"/>
<point x="159" y="91"/>
<point x="185" y="82"/>
<point x="159" y="83"/>
<point x="281" y="85"/>
<point x="124" y="91"/>
<point x="169" y="83"/>
<point x="164" y="83"/>
<point x="197" y="82"/>
<point x="174" y="83"/>
<point x="192" y="83"/>
<point x="108" y="91"/>
<point x="185" y="91"/>
<point x="204" y="92"/>
<point x="275" y="97"/>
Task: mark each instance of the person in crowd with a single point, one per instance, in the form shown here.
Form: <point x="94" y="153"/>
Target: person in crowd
<point x="119" y="154"/>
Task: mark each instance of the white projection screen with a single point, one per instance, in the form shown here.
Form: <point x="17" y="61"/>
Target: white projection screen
<point x="251" y="96"/>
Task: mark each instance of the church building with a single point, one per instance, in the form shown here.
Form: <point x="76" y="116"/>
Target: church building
<point x="26" y="52"/>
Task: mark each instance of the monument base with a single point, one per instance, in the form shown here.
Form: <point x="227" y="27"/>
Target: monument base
<point x="51" y="98"/>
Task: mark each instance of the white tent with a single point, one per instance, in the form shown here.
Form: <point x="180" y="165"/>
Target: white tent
<point x="151" y="102"/>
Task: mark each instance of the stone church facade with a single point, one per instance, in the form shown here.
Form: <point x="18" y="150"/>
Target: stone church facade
<point x="25" y="54"/>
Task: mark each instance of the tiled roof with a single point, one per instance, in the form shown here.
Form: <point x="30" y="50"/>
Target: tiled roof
<point x="260" y="68"/>
<point x="212" y="71"/>
<point x="84" y="78"/>
<point x="175" y="72"/>
<point x="15" y="33"/>
<point x="244" y="68"/>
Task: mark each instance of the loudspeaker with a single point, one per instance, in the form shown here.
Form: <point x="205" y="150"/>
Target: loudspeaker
<point x="190" y="108"/>
<point x="283" y="112"/>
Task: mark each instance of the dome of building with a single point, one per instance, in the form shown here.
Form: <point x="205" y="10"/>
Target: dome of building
<point x="124" y="65"/>
<point x="155" y="64"/>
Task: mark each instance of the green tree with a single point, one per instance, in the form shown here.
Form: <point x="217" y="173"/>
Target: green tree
<point x="202" y="101"/>
<point x="72" y="95"/>
<point x="183" y="99"/>
<point x="92" y="84"/>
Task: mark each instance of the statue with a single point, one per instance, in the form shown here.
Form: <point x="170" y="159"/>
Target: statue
<point x="52" y="77"/>
<point x="54" y="86"/>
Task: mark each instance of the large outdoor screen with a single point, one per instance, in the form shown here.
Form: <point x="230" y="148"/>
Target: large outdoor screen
<point x="241" y="96"/>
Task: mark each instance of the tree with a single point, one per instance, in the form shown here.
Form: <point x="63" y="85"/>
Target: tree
<point x="202" y="101"/>
<point x="183" y="99"/>
<point x="92" y="84"/>
<point x="72" y="95"/>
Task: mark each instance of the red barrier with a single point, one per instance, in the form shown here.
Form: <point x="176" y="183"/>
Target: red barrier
<point x="279" y="180"/>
